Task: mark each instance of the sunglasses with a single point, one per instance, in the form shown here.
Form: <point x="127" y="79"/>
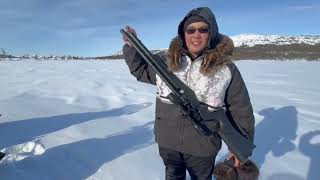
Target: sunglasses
<point x="200" y="30"/>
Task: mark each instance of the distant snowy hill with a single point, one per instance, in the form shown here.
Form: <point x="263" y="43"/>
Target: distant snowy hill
<point x="279" y="47"/>
<point x="254" y="39"/>
<point x="247" y="47"/>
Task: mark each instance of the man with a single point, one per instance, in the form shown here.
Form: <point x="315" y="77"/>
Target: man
<point x="200" y="57"/>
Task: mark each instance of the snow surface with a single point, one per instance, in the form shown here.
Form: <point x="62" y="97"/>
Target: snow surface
<point x="91" y="120"/>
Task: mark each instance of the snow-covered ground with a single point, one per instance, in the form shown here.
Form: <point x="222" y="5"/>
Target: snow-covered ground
<point x="77" y="120"/>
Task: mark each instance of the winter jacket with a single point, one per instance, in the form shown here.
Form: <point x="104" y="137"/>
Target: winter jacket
<point x="215" y="80"/>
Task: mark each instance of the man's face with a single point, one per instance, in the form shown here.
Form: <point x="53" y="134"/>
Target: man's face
<point x="196" y="37"/>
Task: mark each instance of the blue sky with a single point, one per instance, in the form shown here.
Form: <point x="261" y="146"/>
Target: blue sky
<point x="92" y="27"/>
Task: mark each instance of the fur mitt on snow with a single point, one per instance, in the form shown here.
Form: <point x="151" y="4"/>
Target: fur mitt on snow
<point x="226" y="171"/>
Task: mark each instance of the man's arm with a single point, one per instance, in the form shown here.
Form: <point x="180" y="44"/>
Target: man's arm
<point x="138" y="67"/>
<point x="239" y="108"/>
<point x="237" y="101"/>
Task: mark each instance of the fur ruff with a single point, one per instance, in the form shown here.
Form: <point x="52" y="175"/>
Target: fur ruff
<point x="226" y="171"/>
<point x="214" y="59"/>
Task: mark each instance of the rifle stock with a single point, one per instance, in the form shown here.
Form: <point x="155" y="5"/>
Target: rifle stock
<point x="237" y="142"/>
<point x="204" y="121"/>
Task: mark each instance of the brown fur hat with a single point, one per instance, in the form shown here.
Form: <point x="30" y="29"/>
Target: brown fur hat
<point x="214" y="59"/>
<point x="226" y="171"/>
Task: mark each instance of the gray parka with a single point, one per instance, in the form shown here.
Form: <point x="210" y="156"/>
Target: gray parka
<point x="212" y="76"/>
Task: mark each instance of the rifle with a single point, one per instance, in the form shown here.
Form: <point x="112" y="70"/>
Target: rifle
<point x="204" y="121"/>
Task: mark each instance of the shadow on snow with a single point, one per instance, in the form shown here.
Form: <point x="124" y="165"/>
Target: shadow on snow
<point x="312" y="150"/>
<point x="275" y="133"/>
<point x="22" y="131"/>
<point x="80" y="160"/>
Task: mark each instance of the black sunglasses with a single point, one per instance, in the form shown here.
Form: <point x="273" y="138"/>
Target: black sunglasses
<point x="200" y="30"/>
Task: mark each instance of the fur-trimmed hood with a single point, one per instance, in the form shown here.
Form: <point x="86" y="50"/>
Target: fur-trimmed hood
<point x="219" y="47"/>
<point x="209" y="17"/>
<point x="213" y="59"/>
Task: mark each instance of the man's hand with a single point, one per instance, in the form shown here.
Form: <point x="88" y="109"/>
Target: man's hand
<point x="236" y="160"/>
<point x="130" y="30"/>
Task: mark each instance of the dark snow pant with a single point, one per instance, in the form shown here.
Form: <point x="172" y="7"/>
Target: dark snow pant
<point x="199" y="168"/>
